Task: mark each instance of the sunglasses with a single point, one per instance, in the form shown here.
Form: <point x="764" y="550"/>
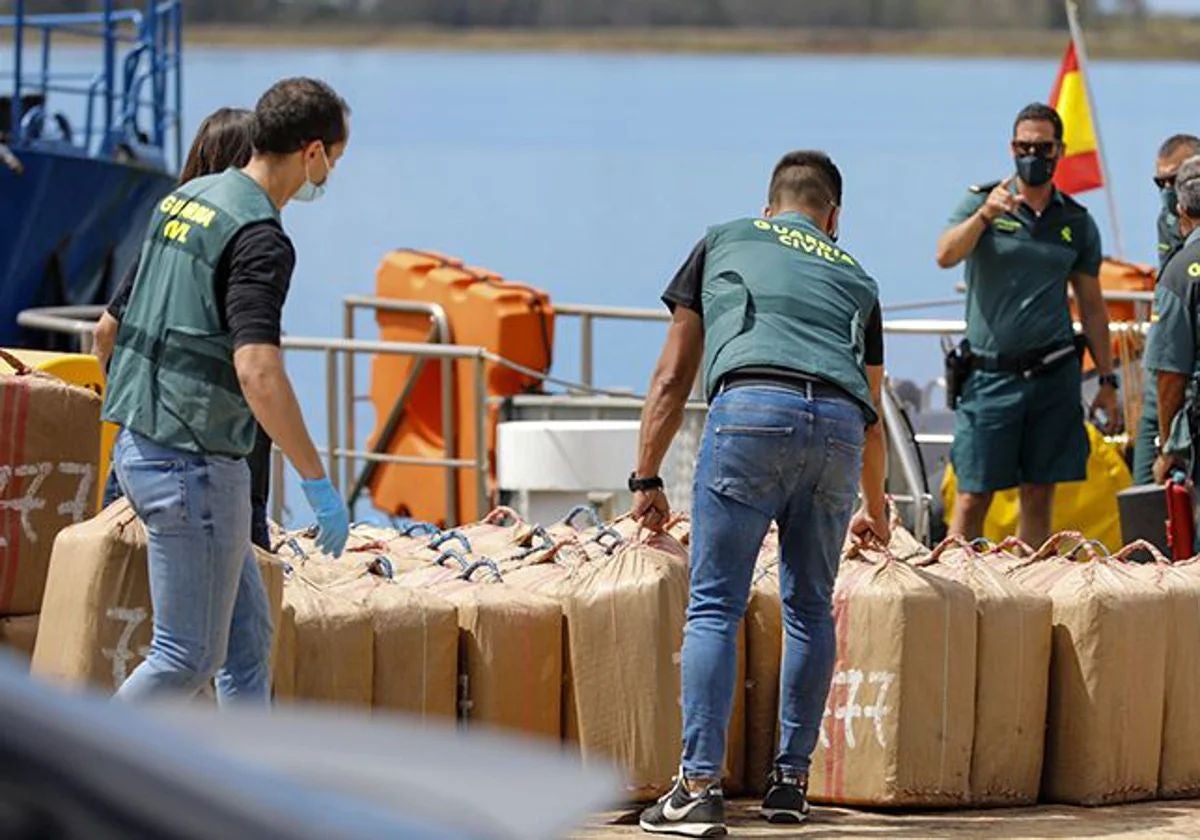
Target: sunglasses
<point x="1040" y="148"/>
<point x="1164" y="181"/>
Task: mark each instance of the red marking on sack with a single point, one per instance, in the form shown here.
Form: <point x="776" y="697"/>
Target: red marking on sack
<point x="14" y="412"/>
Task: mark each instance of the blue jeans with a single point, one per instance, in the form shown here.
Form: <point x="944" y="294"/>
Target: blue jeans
<point x="767" y="454"/>
<point x="259" y="461"/>
<point x="211" y="614"/>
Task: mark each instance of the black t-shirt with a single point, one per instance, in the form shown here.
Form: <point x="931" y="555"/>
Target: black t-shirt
<point x="252" y="280"/>
<point x="684" y="290"/>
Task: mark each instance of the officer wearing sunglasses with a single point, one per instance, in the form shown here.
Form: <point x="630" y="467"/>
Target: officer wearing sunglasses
<point x="1019" y="417"/>
<point x="1174" y="151"/>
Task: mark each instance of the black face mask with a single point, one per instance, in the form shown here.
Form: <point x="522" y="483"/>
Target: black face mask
<point x="1036" y="171"/>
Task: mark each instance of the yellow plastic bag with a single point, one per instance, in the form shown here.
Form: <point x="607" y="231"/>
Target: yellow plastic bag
<point x="1088" y="506"/>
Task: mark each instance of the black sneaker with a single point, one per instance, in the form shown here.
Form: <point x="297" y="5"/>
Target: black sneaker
<point x="787" y="797"/>
<point x="687" y="814"/>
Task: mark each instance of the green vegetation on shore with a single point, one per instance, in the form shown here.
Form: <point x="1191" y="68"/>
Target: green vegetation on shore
<point x="1177" y="39"/>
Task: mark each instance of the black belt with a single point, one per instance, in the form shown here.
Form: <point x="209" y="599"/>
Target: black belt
<point x="807" y="386"/>
<point x="1034" y="362"/>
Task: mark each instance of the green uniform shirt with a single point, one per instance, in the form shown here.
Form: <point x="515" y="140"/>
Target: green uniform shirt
<point x="1169" y="240"/>
<point x="1172" y="343"/>
<point x="1017" y="275"/>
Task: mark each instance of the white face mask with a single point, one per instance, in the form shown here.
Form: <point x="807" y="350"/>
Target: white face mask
<point x="308" y="190"/>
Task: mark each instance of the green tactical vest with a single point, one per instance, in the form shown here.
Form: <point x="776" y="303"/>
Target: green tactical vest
<point x="777" y="292"/>
<point x="172" y="377"/>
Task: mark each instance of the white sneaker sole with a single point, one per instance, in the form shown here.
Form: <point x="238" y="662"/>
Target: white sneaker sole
<point x="685" y="829"/>
<point x="779" y="815"/>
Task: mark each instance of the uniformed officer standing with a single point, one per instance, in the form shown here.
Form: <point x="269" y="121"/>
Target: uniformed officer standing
<point x="789" y="328"/>
<point x="197" y="361"/>
<point x="1019" y="421"/>
<point x="1173" y="353"/>
<point x="1173" y="152"/>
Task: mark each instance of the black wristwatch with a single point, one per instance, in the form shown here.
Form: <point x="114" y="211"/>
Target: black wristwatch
<point x="1109" y="379"/>
<point x="642" y="484"/>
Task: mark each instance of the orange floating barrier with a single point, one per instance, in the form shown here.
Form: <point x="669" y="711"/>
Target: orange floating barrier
<point x="512" y="320"/>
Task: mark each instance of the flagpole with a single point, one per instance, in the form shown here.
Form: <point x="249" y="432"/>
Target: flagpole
<point x="1081" y="54"/>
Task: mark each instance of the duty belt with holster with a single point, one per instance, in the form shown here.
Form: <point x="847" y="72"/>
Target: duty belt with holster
<point x="960" y="361"/>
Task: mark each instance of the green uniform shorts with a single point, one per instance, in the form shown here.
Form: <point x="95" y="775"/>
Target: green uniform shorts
<point x="1009" y="430"/>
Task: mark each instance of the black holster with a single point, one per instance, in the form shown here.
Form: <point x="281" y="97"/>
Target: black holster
<point x="958" y="368"/>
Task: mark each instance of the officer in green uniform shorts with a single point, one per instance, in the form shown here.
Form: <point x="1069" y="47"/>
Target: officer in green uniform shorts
<point x="1172" y="351"/>
<point x="1019" y="421"/>
<point x="1173" y="152"/>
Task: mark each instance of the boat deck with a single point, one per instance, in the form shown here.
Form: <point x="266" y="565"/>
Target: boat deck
<point x="1164" y="818"/>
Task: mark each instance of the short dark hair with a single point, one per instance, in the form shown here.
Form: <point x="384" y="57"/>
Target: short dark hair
<point x="297" y="111"/>
<point x="807" y="177"/>
<point x="1040" y="112"/>
<point x="1187" y="186"/>
<point x="1176" y="141"/>
<point x="222" y="141"/>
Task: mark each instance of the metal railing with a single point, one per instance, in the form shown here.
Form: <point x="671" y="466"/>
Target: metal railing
<point x="589" y="314"/>
<point x="334" y="453"/>
<point x="155" y="61"/>
<point x="341" y="397"/>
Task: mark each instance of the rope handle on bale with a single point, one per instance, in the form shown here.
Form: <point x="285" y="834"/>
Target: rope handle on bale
<point x="1142" y="545"/>
<point x="539" y="533"/>
<point x="615" y="536"/>
<point x="582" y="510"/>
<point x="1051" y="546"/>
<point x="482" y="563"/>
<point x="504" y="517"/>
<point x="16" y="364"/>
<point x="419" y="529"/>
<point x="871" y="543"/>
<point x="1013" y="545"/>
<point x="448" y="553"/>
<point x="382" y="567"/>
<point x="453" y="534"/>
<point x="953" y="541"/>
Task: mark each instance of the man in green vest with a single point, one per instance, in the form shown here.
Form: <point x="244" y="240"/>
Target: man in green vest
<point x="1173" y="351"/>
<point x="1019" y="421"/>
<point x="787" y="326"/>
<point x="197" y="361"/>
<point x="1174" y="151"/>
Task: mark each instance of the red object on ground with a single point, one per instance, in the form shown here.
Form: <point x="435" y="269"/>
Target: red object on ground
<point x="1181" y="525"/>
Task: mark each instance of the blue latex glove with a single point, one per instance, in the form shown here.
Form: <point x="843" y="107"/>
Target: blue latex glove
<point x="333" y="520"/>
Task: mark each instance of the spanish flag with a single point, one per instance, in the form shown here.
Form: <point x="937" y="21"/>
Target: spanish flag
<point x="1080" y="169"/>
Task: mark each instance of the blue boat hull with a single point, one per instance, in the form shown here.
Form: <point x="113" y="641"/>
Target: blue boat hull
<point x="70" y="226"/>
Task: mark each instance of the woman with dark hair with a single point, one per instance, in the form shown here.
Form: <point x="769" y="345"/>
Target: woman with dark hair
<point x="222" y="141"/>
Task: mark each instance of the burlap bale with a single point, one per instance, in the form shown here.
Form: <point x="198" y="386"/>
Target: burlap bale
<point x="334" y="654"/>
<point x="1179" y="769"/>
<point x="415" y="646"/>
<point x="49" y="451"/>
<point x="283" y="681"/>
<point x="97" y="605"/>
<point x="626" y="616"/>
<point x="764" y="645"/>
<point x="1011" y="677"/>
<point x="510" y="657"/>
<point x="98" y="619"/>
<point x="900" y="715"/>
<point x="1107" y="678"/>
<point x="18" y="633"/>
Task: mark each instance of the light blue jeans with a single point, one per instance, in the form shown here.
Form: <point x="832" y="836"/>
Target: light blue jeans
<point x="767" y="454"/>
<point x="211" y="614"/>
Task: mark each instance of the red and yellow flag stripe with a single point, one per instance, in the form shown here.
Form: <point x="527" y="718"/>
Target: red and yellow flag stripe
<point x="1080" y="169"/>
